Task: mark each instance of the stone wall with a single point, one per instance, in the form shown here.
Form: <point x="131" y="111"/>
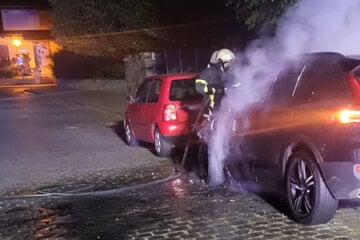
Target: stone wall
<point x="93" y="84"/>
<point x="135" y="71"/>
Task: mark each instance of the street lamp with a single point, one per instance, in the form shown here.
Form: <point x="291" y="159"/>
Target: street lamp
<point x="20" y="61"/>
<point x="16" y="42"/>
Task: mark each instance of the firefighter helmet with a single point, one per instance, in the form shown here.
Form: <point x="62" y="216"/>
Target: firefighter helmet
<point x="225" y="55"/>
<point x="224" y="58"/>
<point x="213" y="58"/>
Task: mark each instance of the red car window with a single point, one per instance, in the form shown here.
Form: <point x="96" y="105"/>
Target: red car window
<point x="154" y="91"/>
<point x="143" y="91"/>
<point x="184" y="89"/>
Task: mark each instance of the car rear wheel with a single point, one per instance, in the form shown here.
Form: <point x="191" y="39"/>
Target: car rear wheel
<point x="130" y="139"/>
<point x="309" y="199"/>
<point x="162" y="148"/>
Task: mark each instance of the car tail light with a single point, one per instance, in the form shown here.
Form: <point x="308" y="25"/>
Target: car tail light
<point x="169" y="113"/>
<point x="354" y="85"/>
<point x="357" y="168"/>
<point x="349" y="116"/>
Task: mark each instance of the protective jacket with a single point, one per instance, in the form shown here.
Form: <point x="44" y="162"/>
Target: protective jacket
<point x="211" y="83"/>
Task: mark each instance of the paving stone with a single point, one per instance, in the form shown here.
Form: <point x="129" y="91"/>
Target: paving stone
<point x="152" y="213"/>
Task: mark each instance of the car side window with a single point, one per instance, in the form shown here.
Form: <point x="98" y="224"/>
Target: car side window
<point x="143" y="91"/>
<point x="286" y="82"/>
<point x="154" y="91"/>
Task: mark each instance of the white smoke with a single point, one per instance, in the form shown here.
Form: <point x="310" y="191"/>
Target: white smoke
<point x="323" y="25"/>
<point x="308" y="26"/>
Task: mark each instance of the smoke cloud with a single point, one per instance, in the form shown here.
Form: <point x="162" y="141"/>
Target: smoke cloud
<point x="308" y="26"/>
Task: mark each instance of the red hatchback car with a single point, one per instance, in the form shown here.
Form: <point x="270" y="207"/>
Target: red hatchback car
<point x="163" y="111"/>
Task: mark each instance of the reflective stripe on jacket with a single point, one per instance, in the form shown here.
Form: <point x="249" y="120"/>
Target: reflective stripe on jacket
<point x="203" y="88"/>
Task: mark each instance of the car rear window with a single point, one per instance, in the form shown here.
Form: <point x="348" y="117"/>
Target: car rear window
<point x="184" y="89"/>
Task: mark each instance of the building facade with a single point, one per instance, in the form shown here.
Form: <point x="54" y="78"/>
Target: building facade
<point x="25" y="40"/>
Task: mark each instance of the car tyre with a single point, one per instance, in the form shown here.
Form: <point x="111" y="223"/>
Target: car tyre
<point x="162" y="148"/>
<point x="310" y="201"/>
<point x="129" y="137"/>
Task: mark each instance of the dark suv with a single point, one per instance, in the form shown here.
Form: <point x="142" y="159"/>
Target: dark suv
<point x="304" y="137"/>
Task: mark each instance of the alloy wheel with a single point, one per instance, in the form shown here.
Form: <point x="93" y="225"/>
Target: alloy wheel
<point x="157" y="142"/>
<point x="127" y="132"/>
<point x="302" y="187"/>
<point x="310" y="201"/>
<point x="129" y="137"/>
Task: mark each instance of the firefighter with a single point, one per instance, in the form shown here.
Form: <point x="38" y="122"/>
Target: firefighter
<point x="211" y="81"/>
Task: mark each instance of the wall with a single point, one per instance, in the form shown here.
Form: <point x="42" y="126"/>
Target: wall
<point x="93" y="84"/>
<point x="144" y="52"/>
<point x="68" y="64"/>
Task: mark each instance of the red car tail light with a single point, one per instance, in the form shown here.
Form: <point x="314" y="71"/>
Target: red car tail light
<point x="169" y="113"/>
<point x="351" y="115"/>
<point x="354" y="86"/>
<point x="357" y="168"/>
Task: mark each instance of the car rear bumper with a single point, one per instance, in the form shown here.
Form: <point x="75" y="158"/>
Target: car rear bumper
<point x="176" y="140"/>
<point x="172" y="129"/>
<point x="342" y="179"/>
<point x="174" y="133"/>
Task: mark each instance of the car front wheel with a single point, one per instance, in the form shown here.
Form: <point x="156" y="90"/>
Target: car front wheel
<point x="130" y="139"/>
<point x="162" y="148"/>
<point x="310" y="201"/>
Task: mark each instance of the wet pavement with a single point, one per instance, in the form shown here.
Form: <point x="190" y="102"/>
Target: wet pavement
<point x="178" y="208"/>
<point x="143" y="201"/>
<point x="47" y="135"/>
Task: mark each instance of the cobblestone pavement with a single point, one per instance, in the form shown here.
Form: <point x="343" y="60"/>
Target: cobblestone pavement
<point x="181" y="208"/>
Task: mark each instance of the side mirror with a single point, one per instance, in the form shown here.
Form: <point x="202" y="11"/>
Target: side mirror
<point x="130" y="99"/>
